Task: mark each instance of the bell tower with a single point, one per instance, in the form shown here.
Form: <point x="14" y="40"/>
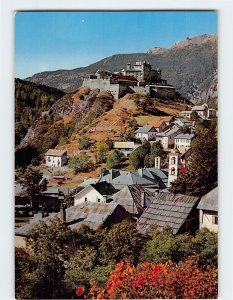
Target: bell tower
<point x="173" y="167"/>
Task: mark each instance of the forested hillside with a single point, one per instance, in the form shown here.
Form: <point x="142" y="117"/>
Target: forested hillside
<point x="30" y="101"/>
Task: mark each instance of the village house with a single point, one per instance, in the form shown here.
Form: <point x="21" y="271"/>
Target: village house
<point x="55" y="158"/>
<point x="202" y="110"/>
<point x="151" y="178"/>
<point x="51" y="199"/>
<point x="208" y="211"/>
<point x="183" y="141"/>
<point x="182" y="122"/>
<point x="179" y="212"/>
<point x="97" y="192"/>
<point x="91" y="214"/>
<point x="160" y="119"/>
<point x="146" y="133"/>
<point x="159" y="125"/>
<point x="167" y="137"/>
<point x="125" y="148"/>
<point x="134" y="198"/>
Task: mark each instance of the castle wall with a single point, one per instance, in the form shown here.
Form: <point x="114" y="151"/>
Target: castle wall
<point x="163" y="91"/>
<point x="140" y="89"/>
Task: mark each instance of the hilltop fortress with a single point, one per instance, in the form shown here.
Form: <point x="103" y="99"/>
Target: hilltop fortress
<point x="138" y="78"/>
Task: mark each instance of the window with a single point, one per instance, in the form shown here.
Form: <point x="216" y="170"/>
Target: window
<point x="85" y="198"/>
<point x="98" y="200"/>
<point x="215" y="220"/>
<point x="173" y="170"/>
<point x="173" y="160"/>
<point x="49" y="159"/>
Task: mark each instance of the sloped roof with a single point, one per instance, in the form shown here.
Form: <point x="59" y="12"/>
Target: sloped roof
<point x="200" y="107"/>
<point x="91" y="214"/>
<point x="55" y="152"/>
<point x="186" y="136"/>
<point x="145" y="129"/>
<point x="104" y="188"/>
<point x="166" y="209"/>
<point x="121" y="177"/>
<point x="169" y="132"/>
<point x="130" y="198"/>
<point x="209" y="201"/>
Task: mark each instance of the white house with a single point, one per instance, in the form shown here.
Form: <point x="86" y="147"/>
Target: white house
<point x="183" y="141"/>
<point x="98" y="192"/>
<point x="208" y="211"/>
<point x="166" y="138"/>
<point x="146" y="133"/>
<point x="55" y="158"/>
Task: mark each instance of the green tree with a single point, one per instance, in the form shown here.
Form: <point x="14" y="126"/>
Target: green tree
<point x="137" y="157"/>
<point x="156" y="150"/>
<point x="80" y="162"/>
<point x="101" y="153"/>
<point x="109" y="143"/>
<point x="203" y="166"/>
<point x="113" y="159"/>
<point x="42" y="269"/>
<point x="84" y="142"/>
<point x="164" y="246"/>
<point x="122" y="241"/>
<point x="33" y="183"/>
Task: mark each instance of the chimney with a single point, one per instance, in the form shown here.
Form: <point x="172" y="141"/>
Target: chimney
<point x="63" y="213"/>
<point x="143" y="199"/>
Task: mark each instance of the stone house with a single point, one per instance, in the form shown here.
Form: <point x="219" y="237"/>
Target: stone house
<point x="146" y="133"/>
<point x="98" y="192"/>
<point x="186" y="114"/>
<point x="208" y="211"/>
<point x="55" y="158"/>
<point x="202" y="110"/>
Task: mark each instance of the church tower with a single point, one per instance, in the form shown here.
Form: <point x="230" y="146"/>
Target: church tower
<point x="173" y="167"/>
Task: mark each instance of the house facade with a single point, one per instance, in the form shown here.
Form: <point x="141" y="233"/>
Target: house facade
<point x="55" y="158"/>
<point x="100" y="192"/>
<point x="167" y="137"/>
<point x="146" y="133"/>
<point x="183" y="142"/>
<point x="208" y="211"/>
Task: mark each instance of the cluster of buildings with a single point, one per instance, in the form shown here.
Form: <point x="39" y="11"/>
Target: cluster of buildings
<point x="142" y="195"/>
<point x="135" y="78"/>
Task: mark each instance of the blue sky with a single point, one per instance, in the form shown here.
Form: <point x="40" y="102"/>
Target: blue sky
<point x="46" y="41"/>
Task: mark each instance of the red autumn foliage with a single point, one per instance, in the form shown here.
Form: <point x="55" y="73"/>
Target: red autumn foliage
<point x="167" y="281"/>
<point x="79" y="291"/>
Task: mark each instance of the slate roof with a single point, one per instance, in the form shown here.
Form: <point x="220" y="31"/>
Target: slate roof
<point x="169" y="132"/>
<point x="104" y="188"/>
<point x="209" y="201"/>
<point x="130" y="198"/>
<point x="167" y="209"/>
<point x="121" y="178"/>
<point x="55" y="152"/>
<point x="145" y="129"/>
<point x="91" y="214"/>
<point x="186" y="136"/>
<point x="152" y="177"/>
<point x="88" y="181"/>
<point x="200" y="107"/>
